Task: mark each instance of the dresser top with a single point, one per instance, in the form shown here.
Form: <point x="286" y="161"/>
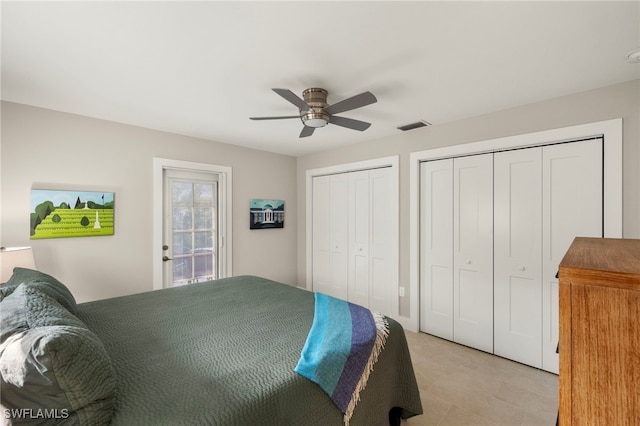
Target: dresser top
<point x="605" y="255"/>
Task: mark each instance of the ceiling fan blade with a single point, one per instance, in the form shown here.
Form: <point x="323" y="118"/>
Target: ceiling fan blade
<point x="307" y="131"/>
<point x="349" y="123"/>
<point x="274" y="118"/>
<point x="353" y="102"/>
<point x="293" y="98"/>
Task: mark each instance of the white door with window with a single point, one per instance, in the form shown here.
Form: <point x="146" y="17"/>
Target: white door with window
<point x="190" y="227"/>
<point x="192" y="222"/>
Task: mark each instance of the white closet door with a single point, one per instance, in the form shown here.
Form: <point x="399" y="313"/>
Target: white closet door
<point x="359" y="238"/>
<point x="436" y="248"/>
<point x="383" y="231"/>
<point x="330" y="224"/>
<point x="473" y="251"/>
<point x="338" y="227"/>
<point x="321" y="237"/>
<point x="518" y="255"/>
<point x="572" y="207"/>
<point x="355" y="231"/>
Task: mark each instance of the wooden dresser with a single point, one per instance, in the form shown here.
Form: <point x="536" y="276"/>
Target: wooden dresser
<point x="600" y="333"/>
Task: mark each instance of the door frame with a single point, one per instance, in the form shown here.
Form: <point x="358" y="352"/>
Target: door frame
<point x="393" y="162"/>
<point x="611" y="130"/>
<point x="225" y="208"/>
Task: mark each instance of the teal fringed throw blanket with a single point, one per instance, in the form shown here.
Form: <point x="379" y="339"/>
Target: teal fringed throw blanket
<point x="341" y="349"/>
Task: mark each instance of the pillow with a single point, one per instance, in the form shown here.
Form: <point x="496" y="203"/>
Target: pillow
<point x="27" y="307"/>
<point x="45" y="283"/>
<point x="6" y="289"/>
<point x="61" y="370"/>
<point x="49" y="360"/>
<point x="13" y="314"/>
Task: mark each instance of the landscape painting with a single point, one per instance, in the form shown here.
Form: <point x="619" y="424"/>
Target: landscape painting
<point x="65" y="214"/>
<point x="264" y="214"/>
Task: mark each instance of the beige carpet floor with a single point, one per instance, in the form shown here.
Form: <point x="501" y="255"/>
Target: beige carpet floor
<point x="464" y="386"/>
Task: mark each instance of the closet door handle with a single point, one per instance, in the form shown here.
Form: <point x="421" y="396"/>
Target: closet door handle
<point x="522" y="267"/>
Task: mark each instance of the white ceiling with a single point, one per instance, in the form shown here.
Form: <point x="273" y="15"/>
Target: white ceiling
<point x="202" y="68"/>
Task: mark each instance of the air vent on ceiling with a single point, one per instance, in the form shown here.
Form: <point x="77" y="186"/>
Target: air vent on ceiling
<point x="415" y="125"/>
<point x="633" y="57"/>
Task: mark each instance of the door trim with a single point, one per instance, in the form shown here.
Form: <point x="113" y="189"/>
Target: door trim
<point x="225" y="247"/>
<point x="393" y="162"/>
<point x="611" y="130"/>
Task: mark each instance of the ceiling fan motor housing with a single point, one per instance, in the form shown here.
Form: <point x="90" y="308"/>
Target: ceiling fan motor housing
<point x="316" y="98"/>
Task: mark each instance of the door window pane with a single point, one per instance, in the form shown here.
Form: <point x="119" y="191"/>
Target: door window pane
<point x="182" y="243"/>
<point x="203" y="241"/>
<point x="194" y="216"/>
<point x="182" y="217"/>
<point x="203" y="267"/>
<point x="204" y="195"/>
<point x="203" y="217"/>
<point x="182" y="270"/>
<point x="182" y="192"/>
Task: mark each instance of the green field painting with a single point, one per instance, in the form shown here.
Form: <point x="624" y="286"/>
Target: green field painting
<point x="64" y="214"/>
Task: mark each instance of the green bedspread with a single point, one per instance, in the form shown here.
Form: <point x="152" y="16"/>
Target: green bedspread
<point x="224" y="352"/>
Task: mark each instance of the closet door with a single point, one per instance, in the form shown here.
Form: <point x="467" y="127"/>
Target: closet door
<point x="518" y="255"/>
<point x="473" y="251"/>
<point x="330" y="238"/>
<point x="436" y="248"/>
<point x="572" y="207"/>
<point x="370" y="240"/>
<point x="359" y="237"/>
<point x="321" y="238"/>
<point x="383" y="230"/>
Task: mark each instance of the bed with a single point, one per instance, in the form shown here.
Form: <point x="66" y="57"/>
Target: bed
<point x="216" y="353"/>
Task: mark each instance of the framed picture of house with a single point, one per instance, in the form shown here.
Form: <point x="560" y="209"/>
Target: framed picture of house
<point x="264" y="214"/>
<point x="65" y="214"/>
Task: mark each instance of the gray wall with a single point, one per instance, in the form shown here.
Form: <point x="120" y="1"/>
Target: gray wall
<point x="47" y="147"/>
<point x="44" y="147"/>
<point x="618" y="101"/>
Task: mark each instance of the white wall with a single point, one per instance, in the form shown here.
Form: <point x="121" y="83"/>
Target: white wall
<point x="618" y="101"/>
<point x="44" y="147"/>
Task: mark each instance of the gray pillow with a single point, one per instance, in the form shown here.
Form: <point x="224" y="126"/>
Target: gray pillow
<point x="13" y="314"/>
<point x="28" y="307"/>
<point x="50" y="361"/>
<point x="43" y="282"/>
<point x="6" y="289"/>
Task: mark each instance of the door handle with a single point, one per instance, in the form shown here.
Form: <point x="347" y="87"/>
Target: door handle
<point x="166" y="258"/>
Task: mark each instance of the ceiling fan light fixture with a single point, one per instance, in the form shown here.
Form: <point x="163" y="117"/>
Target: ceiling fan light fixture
<point x="315" y="122"/>
<point x="315" y="119"/>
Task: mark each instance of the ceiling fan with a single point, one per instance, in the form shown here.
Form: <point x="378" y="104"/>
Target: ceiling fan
<point x="315" y="112"/>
